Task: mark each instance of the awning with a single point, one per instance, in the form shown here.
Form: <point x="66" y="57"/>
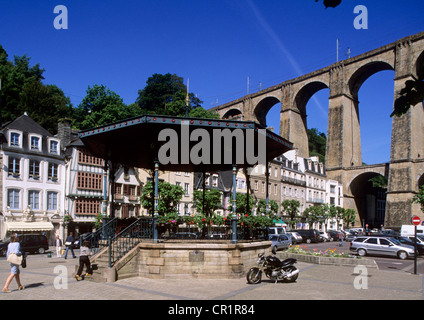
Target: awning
<point x="29" y="226"/>
<point x="279" y="223"/>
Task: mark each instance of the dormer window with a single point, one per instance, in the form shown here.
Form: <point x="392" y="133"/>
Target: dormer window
<point x="54" y="146"/>
<point x="35" y="143"/>
<point x="15" y="139"/>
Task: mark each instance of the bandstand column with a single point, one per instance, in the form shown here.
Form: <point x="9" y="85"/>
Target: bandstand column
<point x="155" y="212"/>
<point x="234" y="213"/>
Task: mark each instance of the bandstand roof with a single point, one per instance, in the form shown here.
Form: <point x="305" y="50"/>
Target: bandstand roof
<point x="134" y="142"/>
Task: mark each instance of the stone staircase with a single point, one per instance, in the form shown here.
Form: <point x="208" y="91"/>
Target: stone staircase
<point x="100" y="261"/>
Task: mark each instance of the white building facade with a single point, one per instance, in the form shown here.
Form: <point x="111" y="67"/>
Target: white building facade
<point x="33" y="180"/>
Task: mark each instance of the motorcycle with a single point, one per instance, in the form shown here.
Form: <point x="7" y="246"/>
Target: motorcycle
<point x="274" y="269"/>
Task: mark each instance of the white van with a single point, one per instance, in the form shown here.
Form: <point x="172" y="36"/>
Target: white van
<point x="409" y="230"/>
<point x="276" y="230"/>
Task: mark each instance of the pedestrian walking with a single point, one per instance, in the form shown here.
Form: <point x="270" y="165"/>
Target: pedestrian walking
<point x="69" y="243"/>
<point x="341" y="237"/>
<point x="58" y="243"/>
<point x="84" y="260"/>
<point x="13" y="247"/>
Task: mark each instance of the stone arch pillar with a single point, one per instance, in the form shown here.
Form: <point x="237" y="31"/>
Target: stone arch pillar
<point x="343" y="133"/>
<point x="407" y="149"/>
<point x="293" y="122"/>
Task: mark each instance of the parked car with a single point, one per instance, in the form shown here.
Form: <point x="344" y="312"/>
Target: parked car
<point x="325" y="236"/>
<point x="309" y="236"/>
<point x="33" y="243"/>
<point x="296" y="238"/>
<point x="411" y="242"/>
<point x="281" y="241"/>
<point x="385" y="246"/>
<point x="3" y="247"/>
<point x="276" y="230"/>
<point x="334" y="234"/>
<point x="351" y="236"/>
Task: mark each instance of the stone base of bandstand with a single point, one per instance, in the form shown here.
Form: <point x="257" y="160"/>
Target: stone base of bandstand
<point x="188" y="259"/>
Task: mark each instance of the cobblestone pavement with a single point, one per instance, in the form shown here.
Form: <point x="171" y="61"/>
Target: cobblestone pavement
<point x="51" y="279"/>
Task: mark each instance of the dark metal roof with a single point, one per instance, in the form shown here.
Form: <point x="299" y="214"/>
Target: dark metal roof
<point x="135" y="142"/>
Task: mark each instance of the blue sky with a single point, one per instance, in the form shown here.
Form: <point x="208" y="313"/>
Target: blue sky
<point x="216" y="44"/>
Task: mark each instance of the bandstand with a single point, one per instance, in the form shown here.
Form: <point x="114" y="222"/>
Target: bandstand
<point x="189" y="145"/>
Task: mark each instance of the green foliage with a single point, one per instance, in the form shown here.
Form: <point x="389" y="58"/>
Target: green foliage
<point x="349" y="217"/>
<point x="379" y="182"/>
<point x="419" y="198"/>
<point x="100" y="107"/>
<point x="22" y="91"/>
<point x="291" y="209"/>
<point x="261" y="207"/>
<point x="411" y="95"/>
<point x="166" y="94"/>
<point x="211" y="202"/>
<point x="317" y="143"/>
<point x="169" y="197"/>
<point x="241" y="205"/>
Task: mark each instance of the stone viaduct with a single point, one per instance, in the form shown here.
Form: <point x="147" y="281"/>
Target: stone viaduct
<point x="405" y="171"/>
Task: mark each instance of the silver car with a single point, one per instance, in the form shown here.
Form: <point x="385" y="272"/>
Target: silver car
<point x="385" y="246"/>
<point x="281" y="241"/>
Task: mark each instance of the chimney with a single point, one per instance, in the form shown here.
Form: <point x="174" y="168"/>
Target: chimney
<point x="64" y="132"/>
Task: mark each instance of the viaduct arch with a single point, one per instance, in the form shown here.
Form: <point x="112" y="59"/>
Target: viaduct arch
<point x="405" y="171"/>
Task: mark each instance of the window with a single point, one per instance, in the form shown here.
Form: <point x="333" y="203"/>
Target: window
<point x="13" y="198"/>
<point x="85" y="157"/>
<point x="34" y="169"/>
<point x="34" y="199"/>
<point x="186" y="188"/>
<point x="14" y="167"/>
<point x="54" y="147"/>
<point x="15" y="139"/>
<point x="89" y="207"/>
<point x="51" y="200"/>
<point x="35" y="144"/>
<point x="89" y="181"/>
<point x="385" y="242"/>
<point x="52" y="174"/>
<point x="371" y="241"/>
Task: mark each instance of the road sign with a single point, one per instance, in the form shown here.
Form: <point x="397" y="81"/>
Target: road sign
<point x="416" y="220"/>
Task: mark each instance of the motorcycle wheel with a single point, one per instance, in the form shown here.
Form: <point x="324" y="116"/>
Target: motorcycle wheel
<point x="254" y="276"/>
<point x="291" y="279"/>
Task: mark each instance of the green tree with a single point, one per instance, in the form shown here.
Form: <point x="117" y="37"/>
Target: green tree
<point x="46" y="104"/>
<point x="169" y="197"/>
<point x="419" y="198"/>
<point x="291" y="209"/>
<point x="261" y="207"/>
<point x="166" y="94"/>
<point x="102" y="106"/>
<point x="349" y="217"/>
<point x="241" y="204"/>
<point x="209" y="203"/>
<point x="315" y="214"/>
<point x="317" y="143"/>
<point x="23" y="91"/>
